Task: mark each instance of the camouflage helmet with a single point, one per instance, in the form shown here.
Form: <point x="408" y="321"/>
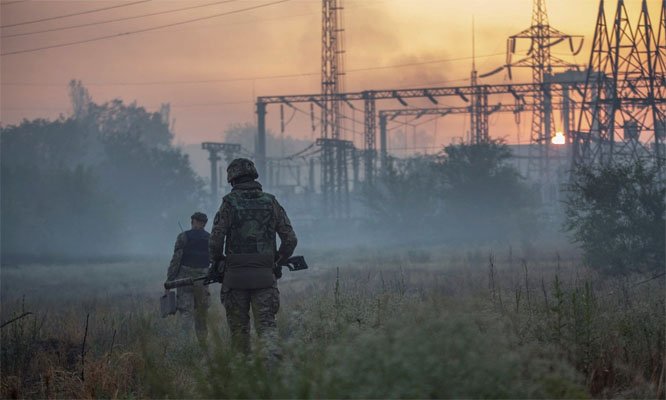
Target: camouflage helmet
<point x="199" y="216"/>
<point x="241" y="167"/>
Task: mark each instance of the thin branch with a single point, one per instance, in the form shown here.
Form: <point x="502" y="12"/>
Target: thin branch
<point x="83" y="350"/>
<point x="649" y="279"/>
<point x="25" y="314"/>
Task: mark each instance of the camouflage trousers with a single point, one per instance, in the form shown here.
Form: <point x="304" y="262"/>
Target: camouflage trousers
<point x="192" y="303"/>
<point x="265" y="304"/>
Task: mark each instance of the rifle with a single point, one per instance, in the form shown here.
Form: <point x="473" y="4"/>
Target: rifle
<point x="295" y="263"/>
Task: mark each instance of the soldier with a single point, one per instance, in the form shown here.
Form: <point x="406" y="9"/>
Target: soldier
<point x="190" y="259"/>
<point x="249" y="219"/>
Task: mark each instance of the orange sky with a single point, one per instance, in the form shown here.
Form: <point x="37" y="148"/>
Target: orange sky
<point x="282" y="39"/>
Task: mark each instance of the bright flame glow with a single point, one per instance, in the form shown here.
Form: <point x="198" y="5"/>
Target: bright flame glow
<point x="558" y="138"/>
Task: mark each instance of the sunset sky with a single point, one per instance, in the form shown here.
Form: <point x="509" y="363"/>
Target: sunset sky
<point x="211" y="70"/>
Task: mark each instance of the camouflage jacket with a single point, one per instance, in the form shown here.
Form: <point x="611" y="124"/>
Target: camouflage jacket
<point x="178" y="249"/>
<point x="221" y="226"/>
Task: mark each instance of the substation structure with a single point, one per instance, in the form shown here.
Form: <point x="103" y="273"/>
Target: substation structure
<point x="214" y="149"/>
<point x="385" y="116"/>
<point x="620" y="102"/>
<point x="559" y="155"/>
<point x="523" y="95"/>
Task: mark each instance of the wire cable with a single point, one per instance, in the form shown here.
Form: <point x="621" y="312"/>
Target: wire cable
<point x="176" y="105"/>
<point x="34" y="21"/>
<point x="6" y="3"/>
<point x="264" y="77"/>
<point x="63" y="28"/>
<point x="144" y="30"/>
<point x="426" y="62"/>
<point x="298" y="153"/>
<point x="320" y="120"/>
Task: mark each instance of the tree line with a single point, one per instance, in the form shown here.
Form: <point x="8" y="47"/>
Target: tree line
<point x="104" y="181"/>
<point x="471" y="194"/>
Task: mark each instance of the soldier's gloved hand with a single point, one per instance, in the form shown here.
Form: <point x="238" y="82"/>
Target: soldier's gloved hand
<point x="277" y="269"/>
<point x="280" y="259"/>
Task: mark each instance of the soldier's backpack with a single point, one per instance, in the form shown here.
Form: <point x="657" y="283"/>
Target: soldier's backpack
<point x="250" y="245"/>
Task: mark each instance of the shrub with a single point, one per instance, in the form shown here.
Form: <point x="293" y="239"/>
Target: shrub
<point x="616" y="213"/>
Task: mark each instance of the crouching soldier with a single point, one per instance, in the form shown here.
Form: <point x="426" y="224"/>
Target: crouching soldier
<point x="190" y="259"/>
<point x="243" y="237"/>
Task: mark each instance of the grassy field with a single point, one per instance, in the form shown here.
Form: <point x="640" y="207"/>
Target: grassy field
<point x="370" y="323"/>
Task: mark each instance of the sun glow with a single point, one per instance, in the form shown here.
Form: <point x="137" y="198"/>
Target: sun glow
<point x="558" y="138"/>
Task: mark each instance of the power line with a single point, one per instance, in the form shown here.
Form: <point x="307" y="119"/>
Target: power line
<point x="412" y="124"/>
<point x="319" y="118"/>
<point x="426" y="62"/>
<point x="265" y="77"/>
<point x="145" y="29"/>
<point x="216" y="104"/>
<point x="73" y="14"/>
<point x="431" y="84"/>
<point x="365" y="4"/>
<point x="176" y="105"/>
<point x="117" y="19"/>
<point x="371" y="5"/>
<point x="6" y="3"/>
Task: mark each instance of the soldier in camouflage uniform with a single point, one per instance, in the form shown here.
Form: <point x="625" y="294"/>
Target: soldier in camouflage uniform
<point x="190" y="259"/>
<point x="243" y="238"/>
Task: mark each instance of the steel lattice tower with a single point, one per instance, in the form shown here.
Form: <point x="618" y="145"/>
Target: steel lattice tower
<point x="624" y="107"/>
<point x="542" y="37"/>
<point x="478" y="132"/>
<point x="334" y="162"/>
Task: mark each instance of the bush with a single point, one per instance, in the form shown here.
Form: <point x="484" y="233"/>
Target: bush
<point x="467" y="193"/>
<point x="445" y="356"/>
<point x="485" y="197"/>
<point x="616" y="213"/>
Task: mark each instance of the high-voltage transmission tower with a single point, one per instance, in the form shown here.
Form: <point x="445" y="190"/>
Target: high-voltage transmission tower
<point x="539" y="58"/>
<point x="478" y="111"/>
<point x="624" y="103"/>
<point x="334" y="182"/>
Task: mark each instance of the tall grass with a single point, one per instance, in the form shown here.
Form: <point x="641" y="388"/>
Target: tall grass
<point x="431" y="323"/>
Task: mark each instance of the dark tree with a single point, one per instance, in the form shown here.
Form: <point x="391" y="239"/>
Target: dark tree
<point x="483" y="194"/>
<point x="616" y="213"/>
<point x="405" y="196"/>
<point x="106" y="181"/>
<point x="468" y="193"/>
